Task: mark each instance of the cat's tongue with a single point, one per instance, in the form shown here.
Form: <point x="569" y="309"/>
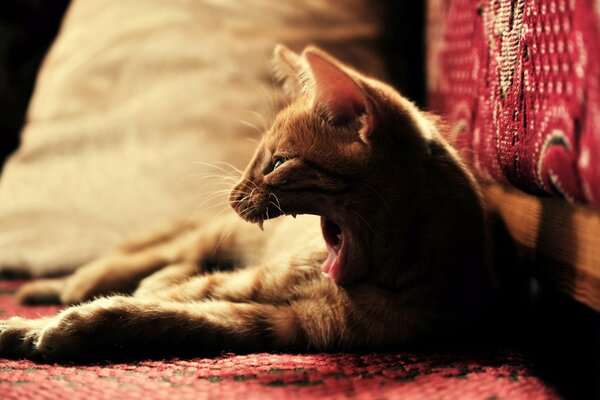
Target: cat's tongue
<point x="331" y="266"/>
<point x="333" y="240"/>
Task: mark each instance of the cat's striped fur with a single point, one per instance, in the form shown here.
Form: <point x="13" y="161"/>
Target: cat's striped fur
<point x="393" y="253"/>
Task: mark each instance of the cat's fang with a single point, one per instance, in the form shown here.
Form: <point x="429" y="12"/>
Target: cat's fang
<point x="260" y="225"/>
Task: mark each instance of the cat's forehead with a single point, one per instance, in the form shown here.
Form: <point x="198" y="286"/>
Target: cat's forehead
<point x="293" y="114"/>
<point x="293" y="122"/>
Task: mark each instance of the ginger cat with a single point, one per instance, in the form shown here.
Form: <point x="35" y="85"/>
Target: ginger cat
<point x="392" y="253"/>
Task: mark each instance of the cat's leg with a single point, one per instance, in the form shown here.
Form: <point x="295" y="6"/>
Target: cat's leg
<point x="122" y="271"/>
<point x="42" y="291"/>
<point x="323" y="316"/>
<point x="128" y="326"/>
<point x="270" y="283"/>
<point x="46" y="291"/>
<point x="168" y="276"/>
<point x="160" y="235"/>
<point x="19" y="335"/>
<point x="119" y="272"/>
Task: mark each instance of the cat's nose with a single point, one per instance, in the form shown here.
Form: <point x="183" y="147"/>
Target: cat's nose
<point x="236" y="197"/>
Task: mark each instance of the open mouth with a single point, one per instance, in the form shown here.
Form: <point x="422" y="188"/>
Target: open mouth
<point x="334" y="265"/>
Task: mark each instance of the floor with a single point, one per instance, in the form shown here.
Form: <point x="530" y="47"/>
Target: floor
<point x="494" y="374"/>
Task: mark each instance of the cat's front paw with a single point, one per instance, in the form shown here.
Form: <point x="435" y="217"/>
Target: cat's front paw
<point x="94" y="330"/>
<point x="41" y="291"/>
<point x="78" y="332"/>
<point x="100" y="277"/>
<point x="73" y="289"/>
<point x="19" y="337"/>
<point x="87" y="331"/>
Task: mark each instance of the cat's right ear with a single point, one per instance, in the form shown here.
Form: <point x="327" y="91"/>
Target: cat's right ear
<point x="288" y="67"/>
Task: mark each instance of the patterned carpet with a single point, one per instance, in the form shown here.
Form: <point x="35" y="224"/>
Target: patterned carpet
<point x="492" y="375"/>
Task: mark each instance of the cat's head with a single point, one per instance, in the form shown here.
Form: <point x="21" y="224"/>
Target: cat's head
<point x="341" y="150"/>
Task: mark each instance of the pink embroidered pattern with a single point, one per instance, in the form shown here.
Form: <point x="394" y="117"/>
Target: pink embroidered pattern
<point x="519" y="81"/>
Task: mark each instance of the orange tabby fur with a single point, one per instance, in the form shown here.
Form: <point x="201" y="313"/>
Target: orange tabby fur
<point x="393" y="253"/>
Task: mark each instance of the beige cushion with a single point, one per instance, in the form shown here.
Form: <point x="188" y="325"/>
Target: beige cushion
<point x="133" y="93"/>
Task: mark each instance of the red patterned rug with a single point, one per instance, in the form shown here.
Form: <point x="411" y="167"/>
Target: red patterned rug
<point x="491" y="375"/>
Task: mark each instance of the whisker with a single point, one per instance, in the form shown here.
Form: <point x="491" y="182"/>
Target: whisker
<point x="207" y="197"/>
<point x="217" y="166"/>
<point x="248" y="124"/>
<point x="227" y="231"/>
<point x="276" y="199"/>
<point x="364" y="220"/>
<point x="205" y="209"/>
<point x="248" y="187"/>
<point x="208" y="185"/>
<point x="271" y="102"/>
<point x="279" y="208"/>
<point x="278" y="205"/>
<point x="233" y="167"/>
<point x="261" y="118"/>
<point x="247" y="212"/>
<point x="212" y="176"/>
<point x="377" y="193"/>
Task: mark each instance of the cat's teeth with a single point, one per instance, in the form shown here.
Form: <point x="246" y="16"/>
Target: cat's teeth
<point x="294" y="215"/>
<point x="260" y="225"/>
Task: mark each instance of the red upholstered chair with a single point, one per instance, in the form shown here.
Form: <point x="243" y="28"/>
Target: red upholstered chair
<point x="519" y="83"/>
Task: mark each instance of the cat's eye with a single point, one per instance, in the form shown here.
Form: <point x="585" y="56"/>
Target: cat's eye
<point x="277" y="162"/>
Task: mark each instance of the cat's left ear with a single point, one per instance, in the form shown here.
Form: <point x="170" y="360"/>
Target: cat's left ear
<point x="337" y="92"/>
<point x="289" y="67"/>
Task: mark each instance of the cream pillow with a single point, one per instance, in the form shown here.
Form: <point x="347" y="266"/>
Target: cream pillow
<point x="133" y="93"/>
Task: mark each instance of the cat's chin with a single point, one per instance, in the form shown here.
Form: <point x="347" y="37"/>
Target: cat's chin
<point x="335" y="264"/>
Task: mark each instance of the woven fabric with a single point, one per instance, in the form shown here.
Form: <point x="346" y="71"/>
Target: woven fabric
<point x="518" y="80"/>
<point x="500" y="375"/>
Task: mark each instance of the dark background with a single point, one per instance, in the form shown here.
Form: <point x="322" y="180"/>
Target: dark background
<point x="27" y="27"/>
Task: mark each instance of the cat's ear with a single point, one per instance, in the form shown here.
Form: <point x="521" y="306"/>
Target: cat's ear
<point x="337" y="91"/>
<point x="289" y="67"/>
